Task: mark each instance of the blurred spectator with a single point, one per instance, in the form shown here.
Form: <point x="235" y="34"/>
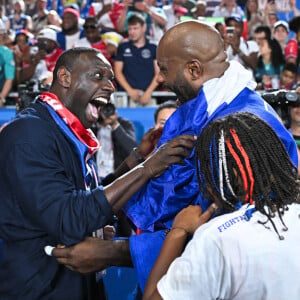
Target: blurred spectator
<point x="281" y="33"/>
<point x="7" y="67"/>
<point x="295" y="122"/>
<point x="199" y="10"/>
<point x="271" y="18"/>
<point x="30" y="7"/>
<point x="22" y="47"/>
<point x="42" y="63"/>
<point x="288" y="77"/>
<point x="47" y="42"/>
<point x="228" y="8"/>
<point x="135" y="64"/>
<point x="163" y="112"/>
<point x="18" y="20"/>
<point x="245" y="52"/>
<point x="54" y="19"/>
<point x="155" y="18"/>
<point x="262" y="32"/>
<point x="107" y="13"/>
<point x="254" y="17"/>
<point x="4" y="17"/>
<point x="40" y="20"/>
<point x="92" y="39"/>
<point x="173" y="12"/>
<point x="71" y="32"/>
<point x="221" y="28"/>
<point x="117" y="138"/>
<point x="270" y="64"/>
<point x="294" y="25"/>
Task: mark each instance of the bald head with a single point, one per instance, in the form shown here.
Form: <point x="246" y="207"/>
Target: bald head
<point x="192" y="39"/>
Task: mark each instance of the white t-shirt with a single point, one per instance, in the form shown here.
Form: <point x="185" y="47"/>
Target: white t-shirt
<point x="231" y="258"/>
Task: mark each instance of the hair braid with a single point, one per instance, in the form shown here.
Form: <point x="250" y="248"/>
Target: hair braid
<point x="258" y="165"/>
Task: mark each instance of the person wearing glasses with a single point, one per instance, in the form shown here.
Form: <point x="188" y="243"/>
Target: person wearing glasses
<point x="108" y="45"/>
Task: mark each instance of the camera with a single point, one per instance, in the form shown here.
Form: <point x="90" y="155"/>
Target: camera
<point x="281" y="101"/>
<point x="108" y="109"/>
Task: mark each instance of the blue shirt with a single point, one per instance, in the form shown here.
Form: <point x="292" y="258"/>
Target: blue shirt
<point x="138" y="67"/>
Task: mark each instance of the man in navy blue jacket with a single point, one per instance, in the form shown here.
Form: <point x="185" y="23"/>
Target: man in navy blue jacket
<point x="48" y="181"/>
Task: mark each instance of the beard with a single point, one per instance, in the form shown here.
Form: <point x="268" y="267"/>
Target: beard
<point x="182" y="88"/>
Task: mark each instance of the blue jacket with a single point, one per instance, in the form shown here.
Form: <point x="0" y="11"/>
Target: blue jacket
<point x="43" y="202"/>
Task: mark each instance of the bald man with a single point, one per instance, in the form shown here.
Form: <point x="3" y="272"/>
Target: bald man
<point x="193" y="65"/>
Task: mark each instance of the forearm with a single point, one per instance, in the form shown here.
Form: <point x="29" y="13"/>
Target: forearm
<point x="119" y="192"/>
<point x="172" y="248"/>
<point x="6" y="88"/>
<point x="122" y="19"/>
<point x="250" y="60"/>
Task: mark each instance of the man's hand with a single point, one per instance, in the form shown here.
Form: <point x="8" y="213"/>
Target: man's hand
<point x="149" y="141"/>
<point x="94" y="254"/>
<point x="172" y="152"/>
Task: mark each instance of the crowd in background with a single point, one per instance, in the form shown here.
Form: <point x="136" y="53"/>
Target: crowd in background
<point x="34" y="33"/>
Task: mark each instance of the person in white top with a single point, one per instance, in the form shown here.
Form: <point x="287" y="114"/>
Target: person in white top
<point x="250" y="251"/>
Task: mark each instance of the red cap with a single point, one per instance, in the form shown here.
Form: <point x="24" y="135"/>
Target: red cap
<point x="291" y="49"/>
<point x="72" y="11"/>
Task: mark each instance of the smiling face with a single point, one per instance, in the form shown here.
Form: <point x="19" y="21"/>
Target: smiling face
<point x="90" y="87"/>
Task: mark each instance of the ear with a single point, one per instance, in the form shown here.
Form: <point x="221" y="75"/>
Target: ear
<point x="64" y="77"/>
<point x="195" y="69"/>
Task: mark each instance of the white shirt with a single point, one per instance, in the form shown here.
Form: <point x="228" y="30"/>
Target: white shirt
<point x="231" y="258"/>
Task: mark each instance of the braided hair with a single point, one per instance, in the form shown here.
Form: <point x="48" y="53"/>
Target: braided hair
<point x="241" y="159"/>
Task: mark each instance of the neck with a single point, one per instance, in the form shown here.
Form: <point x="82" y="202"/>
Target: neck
<point x="140" y="42"/>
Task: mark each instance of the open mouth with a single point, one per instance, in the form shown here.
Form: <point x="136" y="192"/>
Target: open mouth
<point x="99" y="102"/>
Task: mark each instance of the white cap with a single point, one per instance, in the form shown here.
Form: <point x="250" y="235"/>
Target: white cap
<point x="283" y="24"/>
<point x="47" y="33"/>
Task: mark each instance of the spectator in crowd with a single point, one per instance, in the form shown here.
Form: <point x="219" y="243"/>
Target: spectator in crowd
<point x="30" y="7"/>
<point x="107" y="13"/>
<point x="255" y="184"/>
<point x="294" y="25"/>
<point x="228" y="8"/>
<point x="271" y="18"/>
<point x="173" y="12"/>
<point x="163" y="113"/>
<point x="270" y="64"/>
<point x="254" y="17"/>
<point x="40" y="19"/>
<point x="71" y="31"/>
<point x="155" y="18"/>
<point x="193" y="64"/>
<point x="117" y="138"/>
<point x="288" y="76"/>
<point x="199" y="10"/>
<point x="281" y="33"/>
<point x="22" y="47"/>
<point x="92" y="39"/>
<point x="221" y="29"/>
<point x="54" y="19"/>
<point x="7" y="66"/>
<point x="294" y="126"/>
<point x="79" y="4"/>
<point x="291" y="52"/>
<point x="41" y="66"/>
<point x="18" y="20"/>
<point x="238" y="49"/>
<point x="50" y="192"/>
<point x="261" y="33"/>
<point x="135" y="64"/>
<point x="4" y="18"/>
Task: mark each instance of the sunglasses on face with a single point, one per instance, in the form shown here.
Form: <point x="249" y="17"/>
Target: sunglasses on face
<point x="89" y="27"/>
